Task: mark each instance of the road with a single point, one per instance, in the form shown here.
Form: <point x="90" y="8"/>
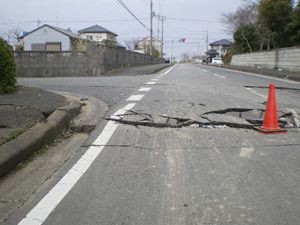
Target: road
<point x="176" y="175"/>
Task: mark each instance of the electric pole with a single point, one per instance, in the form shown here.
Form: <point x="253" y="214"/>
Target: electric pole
<point x="206" y="40"/>
<point x="172" y="51"/>
<point x="162" y="35"/>
<point x="151" y="26"/>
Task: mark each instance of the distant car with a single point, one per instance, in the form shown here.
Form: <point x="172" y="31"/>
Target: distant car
<point x="217" y="61"/>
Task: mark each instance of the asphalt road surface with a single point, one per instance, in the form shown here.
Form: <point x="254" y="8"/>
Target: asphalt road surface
<point x="156" y="175"/>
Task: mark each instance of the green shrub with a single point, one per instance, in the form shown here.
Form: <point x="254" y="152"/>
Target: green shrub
<point x="7" y="68"/>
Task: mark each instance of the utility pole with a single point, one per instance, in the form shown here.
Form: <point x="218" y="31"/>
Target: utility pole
<point x="151" y="26"/>
<point x="162" y="35"/>
<point x="172" y="51"/>
<point x="206" y="40"/>
<point x="38" y="22"/>
<point x="198" y="47"/>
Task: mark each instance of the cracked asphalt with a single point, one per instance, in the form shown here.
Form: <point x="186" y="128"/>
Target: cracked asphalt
<point x="184" y="175"/>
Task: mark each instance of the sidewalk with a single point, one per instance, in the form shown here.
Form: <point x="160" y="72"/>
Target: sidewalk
<point x="267" y="72"/>
<point x="23" y="109"/>
<point x="29" y="119"/>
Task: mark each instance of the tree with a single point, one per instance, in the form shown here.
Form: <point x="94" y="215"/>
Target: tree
<point x="276" y="15"/>
<point x="14" y="35"/>
<point x="247" y="14"/>
<point x="246" y="39"/>
<point x="132" y="44"/>
<point x="7" y="68"/>
<point x="294" y="26"/>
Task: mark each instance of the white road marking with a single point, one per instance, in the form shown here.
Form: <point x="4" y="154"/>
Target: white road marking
<point x="151" y="83"/>
<point x="260" y="75"/>
<point x="257" y="93"/>
<point x="204" y="70"/>
<point x="169" y="70"/>
<point x="217" y="75"/>
<point x="155" y="79"/>
<point x="145" y="89"/>
<point x="48" y="203"/>
<point x="135" y="98"/>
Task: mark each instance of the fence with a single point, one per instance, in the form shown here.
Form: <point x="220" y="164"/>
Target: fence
<point x="95" y="61"/>
<point x="285" y="58"/>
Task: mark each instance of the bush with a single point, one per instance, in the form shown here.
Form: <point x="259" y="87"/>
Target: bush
<point x="7" y="69"/>
<point x="227" y="58"/>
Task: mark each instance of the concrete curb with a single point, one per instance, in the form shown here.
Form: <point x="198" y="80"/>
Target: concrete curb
<point x="20" y="148"/>
<point x="265" y="72"/>
<point x="160" y="69"/>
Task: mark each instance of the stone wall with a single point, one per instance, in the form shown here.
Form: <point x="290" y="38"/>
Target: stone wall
<point x="95" y="61"/>
<point x="285" y="58"/>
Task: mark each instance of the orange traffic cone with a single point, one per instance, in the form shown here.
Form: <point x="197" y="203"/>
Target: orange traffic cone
<point x="270" y="124"/>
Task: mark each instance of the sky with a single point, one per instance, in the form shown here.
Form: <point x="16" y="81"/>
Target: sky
<point x="190" y="19"/>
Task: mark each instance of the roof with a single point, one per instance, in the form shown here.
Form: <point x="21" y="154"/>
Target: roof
<point x="223" y="42"/>
<point x="212" y="52"/>
<point x="95" y="29"/>
<point x="58" y="29"/>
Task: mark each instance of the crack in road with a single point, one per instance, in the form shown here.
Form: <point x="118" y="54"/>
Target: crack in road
<point x="279" y="88"/>
<point x="250" y="121"/>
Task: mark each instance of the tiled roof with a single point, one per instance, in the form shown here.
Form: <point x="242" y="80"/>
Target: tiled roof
<point x="223" y="42"/>
<point x="95" y="29"/>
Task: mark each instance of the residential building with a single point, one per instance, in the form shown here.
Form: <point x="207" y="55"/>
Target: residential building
<point x="97" y="33"/>
<point x="144" y="45"/>
<point x="218" y="48"/>
<point x="50" y="38"/>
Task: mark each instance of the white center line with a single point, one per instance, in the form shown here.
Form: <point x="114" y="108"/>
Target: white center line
<point x="48" y="203"/>
<point x="135" y="98"/>
<point x="145" y="89"/>
<point x="217" y="75"/>
<point x="155" y="79"/>
<point x="151" y="83"/>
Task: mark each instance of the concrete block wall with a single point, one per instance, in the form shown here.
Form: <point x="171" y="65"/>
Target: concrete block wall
<point x="96" y="60"/>
<point x="285" y="58"/>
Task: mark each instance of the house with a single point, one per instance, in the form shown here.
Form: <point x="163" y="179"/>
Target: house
<point x="218" y="48"/>
<point x="144" y="45"/>
<point x="97" y="33"/>
<point x="50" y="38"/>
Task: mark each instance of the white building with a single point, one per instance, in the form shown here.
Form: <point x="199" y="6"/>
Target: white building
<point x="144" y="45"/>
<point x="50" y="38"/>
<point x="97" y="33"/>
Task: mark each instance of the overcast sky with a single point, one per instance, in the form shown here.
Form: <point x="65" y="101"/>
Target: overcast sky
<point x="78" y="14"/>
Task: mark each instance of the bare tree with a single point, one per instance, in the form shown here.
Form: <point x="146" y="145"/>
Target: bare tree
<point x="132" y="44"/>
<point x="247" y="14"/>
<point x="14" y="34"/>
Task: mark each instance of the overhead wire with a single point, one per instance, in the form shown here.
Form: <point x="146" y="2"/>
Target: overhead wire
<point x="131" y="13"/>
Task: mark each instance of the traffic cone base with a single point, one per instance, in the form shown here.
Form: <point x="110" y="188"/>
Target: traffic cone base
<point x="271" y="131"/>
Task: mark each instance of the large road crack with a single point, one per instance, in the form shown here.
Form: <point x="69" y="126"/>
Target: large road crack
<point x="240" y="118"/>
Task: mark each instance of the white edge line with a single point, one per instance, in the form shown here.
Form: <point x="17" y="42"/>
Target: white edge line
<point x="48" y="203"/>
<point x="217" y="75"/>
<point x="257" y="93"/>
<point x="151" y="83"/>
<point x="165" y="73"/>
<point x="259" y="75"/>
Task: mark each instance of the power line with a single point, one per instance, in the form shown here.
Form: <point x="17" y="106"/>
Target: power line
<point x="73" y="21"/>
<point x="131" y="13"/>
<point x="190" y="20"/>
